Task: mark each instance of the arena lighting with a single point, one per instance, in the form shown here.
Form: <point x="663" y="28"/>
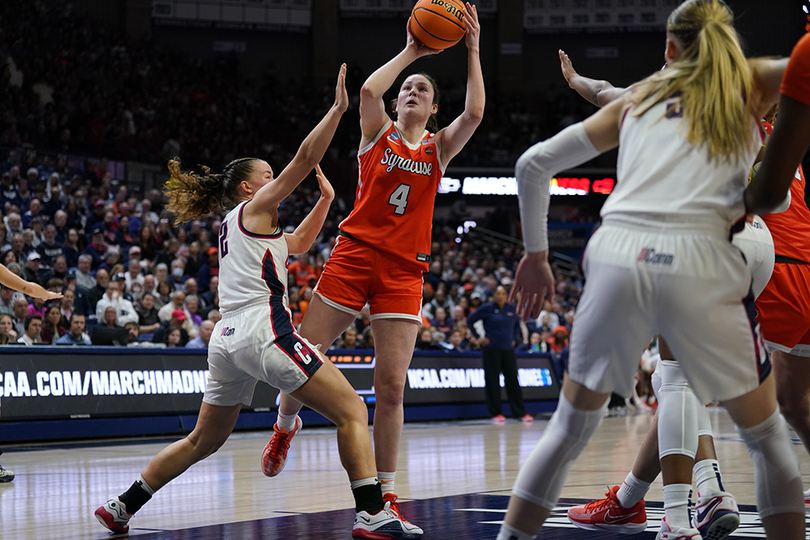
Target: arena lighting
<point x="507" y="185"/>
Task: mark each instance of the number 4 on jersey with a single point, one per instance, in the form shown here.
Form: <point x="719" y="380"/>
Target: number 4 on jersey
<point x="399" y="199"/>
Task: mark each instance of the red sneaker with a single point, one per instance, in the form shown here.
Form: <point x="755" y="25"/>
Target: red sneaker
<point x="394" y="508"/>
<point x="607" y="514"/>
<point x="274" y="456"/>
<point x="498" y="420"/>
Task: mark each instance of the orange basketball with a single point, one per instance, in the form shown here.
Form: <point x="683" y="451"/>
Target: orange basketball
<point x="438" y="24"/>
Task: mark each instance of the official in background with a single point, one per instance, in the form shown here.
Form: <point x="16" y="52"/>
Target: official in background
<point x="502" y="327"/>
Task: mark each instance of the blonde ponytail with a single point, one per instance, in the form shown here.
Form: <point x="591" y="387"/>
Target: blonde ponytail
<point x="711" y="75"/>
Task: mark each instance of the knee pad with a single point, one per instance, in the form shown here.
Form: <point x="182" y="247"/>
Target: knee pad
<point x="704" y="423"/>
<point x="677" y="413"/>
<point x="541" y="478"/>
<point x="776" y="467"/>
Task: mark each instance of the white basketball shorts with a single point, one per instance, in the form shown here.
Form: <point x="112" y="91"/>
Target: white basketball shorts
<point x="243" y="350"/>
<point x="681" y="279"/>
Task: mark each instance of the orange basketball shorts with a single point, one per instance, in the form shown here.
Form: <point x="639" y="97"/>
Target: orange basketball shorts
<point x="357" y="273"/>
<point x="783" y="309"/>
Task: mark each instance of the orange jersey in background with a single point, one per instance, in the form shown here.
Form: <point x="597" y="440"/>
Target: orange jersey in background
<point x="796" y="81"/>
<point x="396" y="189"/>
<point x="791" y="229"/>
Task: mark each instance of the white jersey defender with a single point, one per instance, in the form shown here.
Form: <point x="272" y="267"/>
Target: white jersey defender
<point x="662" y="262"/>
<point x="255" y="340"/>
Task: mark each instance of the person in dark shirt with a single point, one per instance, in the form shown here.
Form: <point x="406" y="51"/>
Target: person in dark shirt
<point x="502" y="328"/>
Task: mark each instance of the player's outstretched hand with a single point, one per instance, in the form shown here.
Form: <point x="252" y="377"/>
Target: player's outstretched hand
<point x="473" y="28"/>
<point x="566" y="67"/>
<point x="341" y="96"/>
<point x="534" y="283"/>
<point x="414" y="45"/>
<point x="44" y="294"/>
<point x="327" y="191"/>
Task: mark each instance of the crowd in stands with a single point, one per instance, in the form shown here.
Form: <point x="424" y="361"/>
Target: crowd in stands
<point x="71" y="86"/>
<point x="120" y="262"/>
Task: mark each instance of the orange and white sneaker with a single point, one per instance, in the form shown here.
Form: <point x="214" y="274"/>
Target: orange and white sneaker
<point x="274" y="456"/>
<point x="391" y="499"/>
<point x="608" y="515"/>
<point x="807" y="497"/>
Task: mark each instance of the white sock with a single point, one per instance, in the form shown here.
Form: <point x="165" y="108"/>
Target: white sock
<point x="632" y="490"/>
<point x="371" y="481"/>
<point x="676" y="505"/>
<point x="286" y="422"/>
<point x="508" y="533"/>
<point x="387" y="481"/>
<point x="145" y="486"/>
<point x="707" y="478"/>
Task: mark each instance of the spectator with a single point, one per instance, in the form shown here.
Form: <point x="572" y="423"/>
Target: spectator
<point x="97" y="247"/>
<point x="8" y="336"/>
<point x="214" y="316"/>
<point x="52" y="325"/>
<point x="202" y="339"/>
<point x="162" y="273"/>
<point x="149" y="286"/>
<point x="148" y="320"/>
<point x="192" y="307"/>
<point x="133" y="333"/>
<point x="348" y="340"/>
<point x="49" y="249"/>
<point x="174" y="338"/>
<point x="178" y="277"/>
<point x="368" y="338"/>
<point x="502" y="327"/>
<point x="84" y="277"/>
<point x="72" y="249"/>
<point x="32" y="267"/>
<point x="134" y="280"/>
<point x="178" y="300"/>
<point x="7" y="297"/>
<point x="60" y="226"/>
<point x="302" y="269"/>
<point x="114" y="297"/>
<point x="66" y="307"/>
<point x="75" y="334"/>
<point x="37" y="307"/>
<point x="95" y="293"/>
<point x="81" y="302"/>
<point x="441" y="322"/>
<point x="33" y="327"/>
<point x="176" y="321"/>
<point x="425" y="341"/>
<point x="164" y="293"/>
<point x="108" y="318"/>
<point x="207" y="298"/>
<point x="536" y="345"/>
<point x="20" y="314"/>
<point x="112" y="258"/>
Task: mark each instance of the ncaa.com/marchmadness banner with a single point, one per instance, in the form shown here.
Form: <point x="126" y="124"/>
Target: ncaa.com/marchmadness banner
<point x="61" y="382"/>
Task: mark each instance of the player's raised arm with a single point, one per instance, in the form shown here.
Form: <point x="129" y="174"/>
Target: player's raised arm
<point x="372" y="107"/>
<point x="453" y="138"/>
<point x="305" y="234"/>
<point x="13" y="281"/>
<point x="309" y="154"/>
<point x="598" y="92"/>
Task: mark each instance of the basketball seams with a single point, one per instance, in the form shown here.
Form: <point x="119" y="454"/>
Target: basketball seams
<point x="440" y="15"/>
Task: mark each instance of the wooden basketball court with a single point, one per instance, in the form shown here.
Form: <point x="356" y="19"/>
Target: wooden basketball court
<point x="454" y="479"/>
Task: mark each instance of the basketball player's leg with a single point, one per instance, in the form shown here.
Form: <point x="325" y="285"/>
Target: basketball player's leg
<point x="330" y="394"/>
<point x="792" y="375"/>
<point x="776" y="467"/>
<point x="541" y="478"/>
<point x="394" y="342"/>
<point x="321" y="326"/>
<point x="214" y="425"/>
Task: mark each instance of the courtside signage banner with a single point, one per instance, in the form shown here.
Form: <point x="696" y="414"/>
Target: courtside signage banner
<point x="59" y="383"/>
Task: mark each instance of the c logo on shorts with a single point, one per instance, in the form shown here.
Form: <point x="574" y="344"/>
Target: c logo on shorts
<point x="301" y="354"/>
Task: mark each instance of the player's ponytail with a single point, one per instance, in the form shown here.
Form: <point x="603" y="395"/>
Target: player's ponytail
<point x="712" y="76"/>
<point x="194" y="195"/>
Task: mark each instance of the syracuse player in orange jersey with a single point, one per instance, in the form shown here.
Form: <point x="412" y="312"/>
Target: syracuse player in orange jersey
<point x="385" y="242"/>
<point x="784" y="305"/>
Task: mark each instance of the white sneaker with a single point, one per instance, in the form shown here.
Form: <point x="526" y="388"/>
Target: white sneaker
<point x="384" y="524"/>
<point x="807" y="497"/>
<point x="6" y="475"/>
<point x="716" y="517"/>
<point x="667" y="533"/>
<point x="113" y="515"/>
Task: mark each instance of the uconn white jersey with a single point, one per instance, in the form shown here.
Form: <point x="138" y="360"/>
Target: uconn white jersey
<point x="253" y="270"/>
<point x="659" y="171"/>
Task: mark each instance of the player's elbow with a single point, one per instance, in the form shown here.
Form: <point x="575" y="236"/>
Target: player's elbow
<point x="368" y="93"/>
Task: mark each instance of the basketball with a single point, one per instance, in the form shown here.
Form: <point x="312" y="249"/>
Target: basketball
<point x="438" y="24"/>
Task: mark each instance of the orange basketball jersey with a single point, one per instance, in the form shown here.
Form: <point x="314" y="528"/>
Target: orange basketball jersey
<point x="396" y="189"/>
<point x="791" y="229"/>
<point x="796" y="82"/>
